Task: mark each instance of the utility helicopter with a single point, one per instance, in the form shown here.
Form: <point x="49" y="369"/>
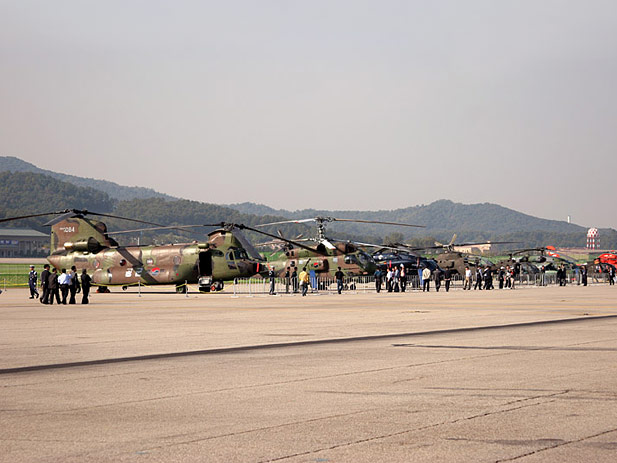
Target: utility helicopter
<point x="79" y="240"/>
<point x="325" y="255"/>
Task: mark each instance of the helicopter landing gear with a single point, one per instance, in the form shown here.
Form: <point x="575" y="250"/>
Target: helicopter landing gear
<point x="217" y="286"/>
<point x="124" y="288"/>
<point x="181" y="288"/>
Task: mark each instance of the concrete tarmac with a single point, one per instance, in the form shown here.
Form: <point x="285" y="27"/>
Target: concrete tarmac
<point x="526" y="375"/>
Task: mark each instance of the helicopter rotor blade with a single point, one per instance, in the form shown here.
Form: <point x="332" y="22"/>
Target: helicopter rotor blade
<point x="295" y="243"/>
<point x="83" y="212"/>
<point x="334" y="219"/>
<point x="285" y="221"/>
<point x="10" y="219"/>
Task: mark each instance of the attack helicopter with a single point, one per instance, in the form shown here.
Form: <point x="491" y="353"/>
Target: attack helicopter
<point x="455" y="260"/>
<point x="396" y="255"/>
<point x="325" y="255"/>
<point x="79" y="240"/>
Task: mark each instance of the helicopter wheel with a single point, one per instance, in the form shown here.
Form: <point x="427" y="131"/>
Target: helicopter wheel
<point x="217" y="286"/>
<point x="124" y="288"/>
<point x="181" y="289"/>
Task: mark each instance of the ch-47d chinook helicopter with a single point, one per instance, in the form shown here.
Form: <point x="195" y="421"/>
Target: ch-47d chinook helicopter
<point x="85" y="243"/>
<point x="324" y="255"/>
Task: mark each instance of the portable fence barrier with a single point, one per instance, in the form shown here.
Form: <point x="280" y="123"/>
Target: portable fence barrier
<point x="366" y="284"/>
<point x="328" y="285"/>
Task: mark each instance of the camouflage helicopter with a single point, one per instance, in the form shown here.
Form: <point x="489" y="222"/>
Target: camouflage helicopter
<point x="85" y="243"/>
<point x="326" y="255"/>
<point x="456" y="260"/>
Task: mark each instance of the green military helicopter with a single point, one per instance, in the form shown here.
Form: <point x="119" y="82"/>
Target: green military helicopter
<point x="324" y="255"/>
<point x="79" y="240"/>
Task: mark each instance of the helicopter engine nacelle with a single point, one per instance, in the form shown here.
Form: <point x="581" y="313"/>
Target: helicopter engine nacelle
<point x="89" y="245"/>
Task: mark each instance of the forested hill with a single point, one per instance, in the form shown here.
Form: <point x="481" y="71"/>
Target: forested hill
<point x="439" y="215"/>
<point x="115" y="191"/>
<point x="23" y="193"/>
<point x="443" y="218"/>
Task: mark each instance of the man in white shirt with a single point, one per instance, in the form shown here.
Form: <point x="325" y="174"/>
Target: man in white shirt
<point x="467" y="284"/>
<point x="63" y="282"/>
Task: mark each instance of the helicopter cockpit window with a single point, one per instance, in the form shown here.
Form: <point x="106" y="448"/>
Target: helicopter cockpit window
<point x="229" y="255"/>
<point x="351" y="259"/>
<point x="364" y="257"/>
<point x="240" y="254"/>
<point x="217" y="253"/>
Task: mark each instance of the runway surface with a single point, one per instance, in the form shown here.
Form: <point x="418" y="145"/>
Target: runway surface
<point x="526" y="375"/>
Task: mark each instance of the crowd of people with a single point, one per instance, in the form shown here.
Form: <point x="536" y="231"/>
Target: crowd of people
<point x="52" y="285"/>
<point x="64" y="286"/>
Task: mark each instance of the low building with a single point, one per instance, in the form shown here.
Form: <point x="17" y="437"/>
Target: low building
<point x="19" y="242"/>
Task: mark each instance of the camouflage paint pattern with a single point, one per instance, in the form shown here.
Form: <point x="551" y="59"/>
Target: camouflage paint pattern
<point x="353" y="261"/>
<point x="84" y="243"/>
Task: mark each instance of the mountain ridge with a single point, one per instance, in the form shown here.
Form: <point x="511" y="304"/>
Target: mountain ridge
<point x="114" y="190"/>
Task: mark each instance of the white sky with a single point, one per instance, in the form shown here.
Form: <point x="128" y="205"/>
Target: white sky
<point x="323" y="104"/>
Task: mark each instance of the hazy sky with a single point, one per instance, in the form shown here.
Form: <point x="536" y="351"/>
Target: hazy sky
<point x="324" y="104"/>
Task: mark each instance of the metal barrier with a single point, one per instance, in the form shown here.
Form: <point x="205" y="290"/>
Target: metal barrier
<point x="366" y="284"/>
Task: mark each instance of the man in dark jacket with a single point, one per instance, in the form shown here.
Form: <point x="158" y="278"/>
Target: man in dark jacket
<point x="447" y="277"/>
<point x="339" y="280"/>
<point x="74" y="286"/>
<point x="488" y="278"/>
<point x="272" y="276"/>
<point x="54" y="287"/>
<point x="45" y="284"/>
<point x="438" y="276"/>
<point x="32" y="280"/>
<point x="85" y="286"/>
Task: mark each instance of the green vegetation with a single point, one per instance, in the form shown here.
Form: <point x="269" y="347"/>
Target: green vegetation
<point x="115" y="191"/>
<point x="22" y="193"/>
<point x="16" y="275"/>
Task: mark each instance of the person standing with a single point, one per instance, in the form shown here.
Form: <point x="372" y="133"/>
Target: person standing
<point x="488" y="278"/>
<point x="32" y="281"/>
<point x="287" y="280"/>
<point x="437" y="275"/>
<point x="63" y="282"/>
<point x="304" y="281"/>
<point x="377" y="276"/>
<point x="339" y="280"/>
<point x="501" y="276"/>
<point x="85" y="286"/>
<point x="403" y="279"/>
<point x="389" y="280"/>
<point x="272" y="276"/>
<point x="611" y="275"/>
<point x="52" y="283"/>
<point x="294" y="280"/>
<point x="396" y="276"/>
<point x="45" y="284"/>
<point x="426" y="279"/>
<point x="447" y="276"/>
<point x="74" y="286"/>
<point x="467" y="284"/>
<point x="584" y="275"/>
<point x="478" y="285"/>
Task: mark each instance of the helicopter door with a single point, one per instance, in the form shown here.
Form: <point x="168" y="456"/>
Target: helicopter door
<point x="205" y="263"/>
